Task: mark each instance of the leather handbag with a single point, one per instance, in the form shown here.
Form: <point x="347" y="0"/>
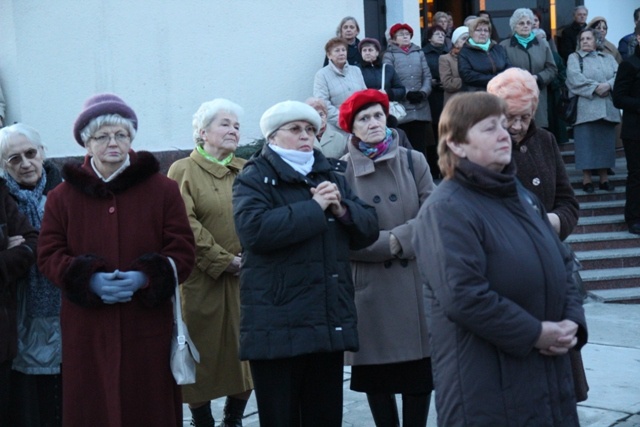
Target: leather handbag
<point x="395" y="108"/>
<point x="568" y="101"/>
<point x="184" y="354"/>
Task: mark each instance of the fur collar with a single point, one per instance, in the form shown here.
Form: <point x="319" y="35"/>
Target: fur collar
<point x="82" y="177"/>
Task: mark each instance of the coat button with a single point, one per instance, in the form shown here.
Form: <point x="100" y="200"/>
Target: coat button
<point x="404" y="262"/>
<point x="112" y="210"/>
<point x="376" y="199"/>
<point x="535" y="181"/>
<point x="393" y="197"/>
<point x="387" y="264"/>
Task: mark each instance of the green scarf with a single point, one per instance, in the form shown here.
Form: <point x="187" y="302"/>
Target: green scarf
<point x="223" y="162"/>
<point x="484" y="46"/>
<point x="524" y="41"/>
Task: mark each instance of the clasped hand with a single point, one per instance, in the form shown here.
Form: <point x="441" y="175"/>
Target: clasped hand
<point x="118" y="286"/>
<point x="557" y="338"/>
<point x="327" y="194"/>
<point x="603" y="89"/>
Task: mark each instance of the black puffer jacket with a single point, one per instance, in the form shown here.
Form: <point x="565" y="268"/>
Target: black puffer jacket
<point x="476" y="67"/>
<point x="14" y="263"/>
<point x="296" y="292"/>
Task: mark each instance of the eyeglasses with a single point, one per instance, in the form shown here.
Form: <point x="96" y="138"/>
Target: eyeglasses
<point x="481" y="30"/>
<point x="403" y="34"/>
<point x="297" y="130"/>
<point x="119" y="137"/>
<point x="524" y="23"/>
<point x="16" y="159"/>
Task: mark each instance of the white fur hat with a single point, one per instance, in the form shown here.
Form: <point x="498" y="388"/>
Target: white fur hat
<point x="459" y="32"/>
<point x="286" y="112"/>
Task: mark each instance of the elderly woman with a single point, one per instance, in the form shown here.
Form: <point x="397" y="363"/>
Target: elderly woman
<point x="106" y="237"/>
<point x="372" y="71"/>
<point x="526" y="51"/>
<point x="600" y="24"/>
<point x="540" y="167"/>
<point x="338" y="80"/>
<point x="17" y="254"/>
<point x="211" y="295"/>
<point x="329" y="139"/>
<point x="35" y="383"/>
<point x="348" y="29"/>
<point x="411" y="65"/>
<point x="296" y="220"/>
<point x="590" y="75"/>
<point x="433" y="50"/>
<point x="448" y="64"/>
<point x="481" y="58"/>
<point x="394" y="348"/>
<point x="496" y="317"/>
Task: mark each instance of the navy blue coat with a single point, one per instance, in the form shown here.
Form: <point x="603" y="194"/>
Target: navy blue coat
<point x="296" y="291"/>
<point x="476" y="67"/>
<point x="372" y="75"/>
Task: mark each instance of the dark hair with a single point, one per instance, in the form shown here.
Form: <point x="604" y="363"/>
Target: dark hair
<point x="636" y="14"/>
<point x="637" y="32"/>
<point x="432" y="29"/>
<point x="538" y="13"/>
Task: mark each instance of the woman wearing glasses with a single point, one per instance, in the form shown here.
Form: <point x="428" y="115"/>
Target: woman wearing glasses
<point x="297" y="220"/>
<point x="106" y="236"/>
<point x="35" y="378"/>
<point x="481" y="58"/>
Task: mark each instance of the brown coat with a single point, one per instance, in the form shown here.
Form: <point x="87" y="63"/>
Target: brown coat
<point x="391" y="319"/>
<point x="210" y="296"/>
<point x="449" y="76"/>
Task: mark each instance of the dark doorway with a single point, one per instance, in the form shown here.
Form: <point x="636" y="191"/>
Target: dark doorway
<point x="375" y="20"/>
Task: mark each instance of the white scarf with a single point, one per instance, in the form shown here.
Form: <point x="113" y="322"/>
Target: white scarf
<point x="300" y="161"/>
<point x="125" y="165"/>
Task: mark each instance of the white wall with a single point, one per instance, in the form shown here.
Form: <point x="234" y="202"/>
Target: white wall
<point x="164" y="57"/>
<point x="619" y="16"/>
<point x="405" y="11"/>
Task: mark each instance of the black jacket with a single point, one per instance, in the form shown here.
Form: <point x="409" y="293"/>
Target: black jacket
<point x="372" y="75"/>
<point x="296" y="291"/>
<point x="568" y="42"/>
<point x="626" y="95"/>
<point x="14" y="263"/>
<point x="476" y="67"/>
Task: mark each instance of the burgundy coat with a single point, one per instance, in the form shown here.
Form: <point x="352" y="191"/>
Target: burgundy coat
<point x="14" y="264"/>
<point x="116" y="356"/>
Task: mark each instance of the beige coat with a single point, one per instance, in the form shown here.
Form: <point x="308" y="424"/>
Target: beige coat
<point x="391" y="318"/>
<point x="449" y="76"/>
<point x="211" y="297"/>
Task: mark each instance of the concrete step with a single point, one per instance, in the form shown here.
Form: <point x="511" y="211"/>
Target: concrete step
<point x="610" y="278"/>
<point x="609" y="258"/>
<point x="599" y="241"/>
<point x="616" y="295"/>
<point x="610" y="207"/>
<point x="598" y="195"/>
<point x="599" y="224"/>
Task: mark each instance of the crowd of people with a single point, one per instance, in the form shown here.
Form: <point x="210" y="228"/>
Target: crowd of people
<point x="332" y="245"/>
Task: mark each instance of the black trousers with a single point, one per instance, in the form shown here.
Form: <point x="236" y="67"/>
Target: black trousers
<point x="36" y="400"/>
<point x="301" y="391"/>
<point x="632" y="206"/>
<point x="5" y="392"/>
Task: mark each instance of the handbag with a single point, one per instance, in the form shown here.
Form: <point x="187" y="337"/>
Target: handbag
<point x="184" y="354"/>
<point x="569" y="102"/>
<point x="395" y="108"/>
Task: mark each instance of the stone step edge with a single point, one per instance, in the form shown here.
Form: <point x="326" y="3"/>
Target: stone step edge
<point x="599" y="254"/>
<point x="600" y="274"/>
<point x="601" y="219"/>
<point x="602" y="237"/>
<point x="615" y="295"/>
<point x="602" y="204"/>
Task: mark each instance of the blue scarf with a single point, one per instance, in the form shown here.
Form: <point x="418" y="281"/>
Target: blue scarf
<point x="484" y="46"/>
<point x="375" y="151"/>
<point x="524" y="41"/>
<point x="43" y="298"/>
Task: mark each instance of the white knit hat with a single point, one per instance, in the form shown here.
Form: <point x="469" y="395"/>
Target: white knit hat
<point x="459" y="32"/>
<point x="287" y="112"/>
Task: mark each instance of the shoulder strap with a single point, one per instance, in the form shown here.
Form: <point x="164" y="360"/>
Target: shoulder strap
<point x="383" y="68"/>
<point x="412" y="170"/>
<point x="579" y="59"/>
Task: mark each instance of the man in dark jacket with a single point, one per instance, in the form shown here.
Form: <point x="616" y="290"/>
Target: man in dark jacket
<point x="628" y="43"/>
<point x="569" y="39"/>
<point x="17" y="253"/>
<point x="626" y="95"/>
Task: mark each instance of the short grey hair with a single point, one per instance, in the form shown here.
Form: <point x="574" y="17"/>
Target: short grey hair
<point x="19" y="129"/>
<point x="106" y="120"/>
<point x="208" y="112"/>
<point x="518" y="14"/>
<point x="344" y="21"/>
<point x="577" y="8"/>
<point x="439" y="15"/>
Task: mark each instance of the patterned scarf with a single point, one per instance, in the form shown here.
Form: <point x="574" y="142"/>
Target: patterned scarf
<point x="43" y="298"/>
<point x="375" y="151"/>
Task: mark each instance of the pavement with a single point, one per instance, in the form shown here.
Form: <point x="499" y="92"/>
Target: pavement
<point x="612" y="364"/>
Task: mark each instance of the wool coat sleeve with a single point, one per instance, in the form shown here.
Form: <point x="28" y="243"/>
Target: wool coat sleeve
<point x="15" y="262"/>
<point x="426" y="74"/>
<point x="321" y="90"/>
<point x="396" y="90"/>
<point x="577" y="82"/>
<point x="363" y="228"/>
<point x="550" y="70"/>
<point x="565" y="204"/>
<point x="459" y="284"/>
<point x="623" y="89"/>
<point x="211" y="258"/>
<point x="451" y="81"/>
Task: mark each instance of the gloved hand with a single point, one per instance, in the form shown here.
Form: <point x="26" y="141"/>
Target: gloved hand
<point x="108" y="287"/>
<point x="132" y="280"/>
<point x="415" y="96"/>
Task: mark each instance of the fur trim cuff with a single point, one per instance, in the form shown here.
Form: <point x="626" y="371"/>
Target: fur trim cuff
<point x="76" y="280"/>
<point x="161" y="283"/>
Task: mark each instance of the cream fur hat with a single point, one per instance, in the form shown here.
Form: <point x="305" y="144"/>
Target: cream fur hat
<point x="286" y="112"/>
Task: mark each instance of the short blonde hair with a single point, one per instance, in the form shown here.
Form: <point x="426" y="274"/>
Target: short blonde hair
<point x="477" y="22"/>
<point x="517" y="87"/>
<point x="460" y="114"/>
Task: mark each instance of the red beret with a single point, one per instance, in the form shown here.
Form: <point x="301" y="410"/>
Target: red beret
<point x="398" y="27"/>
<point x="354" y="104"/>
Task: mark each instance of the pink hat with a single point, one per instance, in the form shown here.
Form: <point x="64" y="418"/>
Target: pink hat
<point x="100" y="105"/>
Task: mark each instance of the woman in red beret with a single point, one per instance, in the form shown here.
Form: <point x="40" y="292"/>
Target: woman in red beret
<point x="394" y="354"/>
<point x="107" y="234"/>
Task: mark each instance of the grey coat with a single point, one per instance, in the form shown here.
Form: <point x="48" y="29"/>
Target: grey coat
<point x="598" y="68"/>
<point x="334" y="86"/>
<point x="414" y="73"/>
<point x="388" y="290"/>
<point x="538" y="60"/>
